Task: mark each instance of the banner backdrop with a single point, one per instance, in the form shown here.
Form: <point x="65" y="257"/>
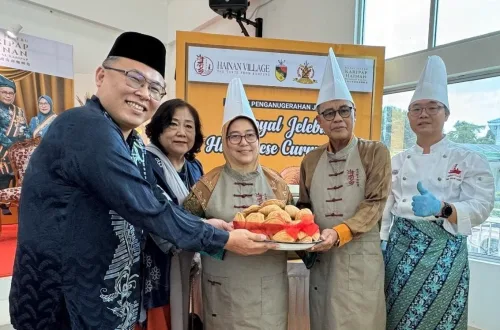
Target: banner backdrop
<point x="281" y="79"/>
<point x="36" y="84"/>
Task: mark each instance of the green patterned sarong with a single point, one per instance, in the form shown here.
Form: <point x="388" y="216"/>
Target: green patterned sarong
<point x="426" y="277"/>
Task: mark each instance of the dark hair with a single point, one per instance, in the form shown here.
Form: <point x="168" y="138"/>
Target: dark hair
<point x="163" y="118"/>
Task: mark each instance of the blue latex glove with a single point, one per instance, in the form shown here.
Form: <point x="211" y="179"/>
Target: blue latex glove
<point x="425" y="204"/>
<point x="383" y="245"/>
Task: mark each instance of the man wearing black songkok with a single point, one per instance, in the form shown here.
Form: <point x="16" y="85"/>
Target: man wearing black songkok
<point x="89" y="198"/>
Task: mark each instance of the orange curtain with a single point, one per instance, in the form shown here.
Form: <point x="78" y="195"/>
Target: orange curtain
<point x="13" y="74"/>
<point x="31" y="85"/>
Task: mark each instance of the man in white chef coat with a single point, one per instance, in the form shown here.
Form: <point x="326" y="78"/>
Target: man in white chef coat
<point x="440" y="190"/>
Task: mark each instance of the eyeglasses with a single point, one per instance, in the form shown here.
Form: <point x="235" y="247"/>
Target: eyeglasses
<point x="236" y="138"/>
<point x="5" y="93"/>
<point x="431" y="110"/>
<point x="330" y="114"/>
<point x="136" y="80"/>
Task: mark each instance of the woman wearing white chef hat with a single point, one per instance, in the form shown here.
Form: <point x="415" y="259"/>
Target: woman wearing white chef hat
<point x="241" y="293"/>
<point x="440" y="190"/>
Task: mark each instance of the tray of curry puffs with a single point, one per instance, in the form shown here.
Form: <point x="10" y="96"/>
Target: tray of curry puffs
<point x="292" y="228"/>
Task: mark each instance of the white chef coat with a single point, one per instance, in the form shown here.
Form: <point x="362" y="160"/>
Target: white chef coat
<point x="453" y="174"/>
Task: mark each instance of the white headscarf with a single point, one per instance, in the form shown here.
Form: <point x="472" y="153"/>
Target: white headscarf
<point x="172" y="178"/>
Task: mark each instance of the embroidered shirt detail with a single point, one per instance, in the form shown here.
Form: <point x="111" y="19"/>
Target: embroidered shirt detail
<point x="126" y="255"/>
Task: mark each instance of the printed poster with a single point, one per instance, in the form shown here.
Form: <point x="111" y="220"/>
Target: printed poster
<point x="36" y="84"/>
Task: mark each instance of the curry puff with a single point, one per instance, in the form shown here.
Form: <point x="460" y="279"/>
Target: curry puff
<point x="268" y="209"/>
<point x="301" y="213"/>
<point x="306" y="239"/>
<point x="283" y="236"/>
<point x="239" y="217"/>
<point x="301" y="235"/>
<point x="281" y="214"/>
<point x="280" y="204"/>
<point x="292" y="210"/>
<point x="255" y="217"/>
<point x="251" y="209"/>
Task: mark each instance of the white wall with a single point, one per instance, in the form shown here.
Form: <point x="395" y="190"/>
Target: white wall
<point x="312" y="20"/>
<point x="187" y="15"/>
<point x="90" y="41"/>
<point x="91" y="26"/>
<point x="141" y="16"/>
<point x="4" y="300"/>
<point x="484" y="312"/>
<point x="84" y="83"/>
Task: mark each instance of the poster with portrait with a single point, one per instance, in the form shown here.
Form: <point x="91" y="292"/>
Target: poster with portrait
<point x="36" y="84"/>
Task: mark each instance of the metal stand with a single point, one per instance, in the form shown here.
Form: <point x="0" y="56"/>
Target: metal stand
<point x="258" y="24"/>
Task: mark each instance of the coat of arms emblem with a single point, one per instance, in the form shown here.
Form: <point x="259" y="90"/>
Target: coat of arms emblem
<point x="281" y="71"/>
<point x="305" y="74"/>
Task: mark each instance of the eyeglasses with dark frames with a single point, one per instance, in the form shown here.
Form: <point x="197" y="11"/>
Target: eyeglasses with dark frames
<point x="431" y="110"/>
<point x="236" y="138"/>
<point x="136" y="79"/>
<point x="330" y="114"/>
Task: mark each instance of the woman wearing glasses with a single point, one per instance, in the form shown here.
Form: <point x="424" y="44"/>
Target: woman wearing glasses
<point x="176" y="136"/>
<point x="241" y="292"/>
<point x="440" y="190"/>
<point x="44" y="118"/>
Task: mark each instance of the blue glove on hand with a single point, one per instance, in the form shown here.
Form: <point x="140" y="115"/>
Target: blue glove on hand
<point x="425" y="204"/>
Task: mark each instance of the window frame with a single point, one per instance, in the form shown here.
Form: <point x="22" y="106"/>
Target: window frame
<point x="431" y="37"/>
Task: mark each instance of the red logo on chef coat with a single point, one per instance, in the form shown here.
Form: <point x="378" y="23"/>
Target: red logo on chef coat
<point x="454" y="173"/>
<point x="455" y="170"/>
<point x="353" y="177"/>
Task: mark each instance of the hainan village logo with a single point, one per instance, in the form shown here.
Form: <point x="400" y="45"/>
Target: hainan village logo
<point x="203" y="65"/>
<point x="305" y="74"/>
<point x="281" y="71"/>
<point x="13" y="51"/>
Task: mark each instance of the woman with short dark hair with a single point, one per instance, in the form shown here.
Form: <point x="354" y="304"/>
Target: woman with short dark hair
<point x="176" y="137"/>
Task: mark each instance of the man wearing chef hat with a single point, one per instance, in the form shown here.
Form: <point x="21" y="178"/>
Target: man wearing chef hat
<point x="346" y="183"/>
<point x="440" y="190"/>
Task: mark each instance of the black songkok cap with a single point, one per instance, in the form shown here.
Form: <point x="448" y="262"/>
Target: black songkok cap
<point x="141" y="48"/>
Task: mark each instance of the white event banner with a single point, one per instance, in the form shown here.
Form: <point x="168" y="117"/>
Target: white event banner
<point x="262" y="68"/>
<point x="35" y="54"/>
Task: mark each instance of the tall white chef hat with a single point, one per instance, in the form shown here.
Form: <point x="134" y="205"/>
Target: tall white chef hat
<point x="237" y="104"/>
<point x="433" y="83"/>
<point x="333" y="86"/>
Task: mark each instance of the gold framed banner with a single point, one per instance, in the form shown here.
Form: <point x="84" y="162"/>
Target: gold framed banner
<point x="282" y="80"/>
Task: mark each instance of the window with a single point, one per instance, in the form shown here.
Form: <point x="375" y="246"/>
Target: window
<point x="401" y="26"/>
<point x="461" y="19"/>
<point x="396" y="131"/>
<point x="475" y="122"/>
